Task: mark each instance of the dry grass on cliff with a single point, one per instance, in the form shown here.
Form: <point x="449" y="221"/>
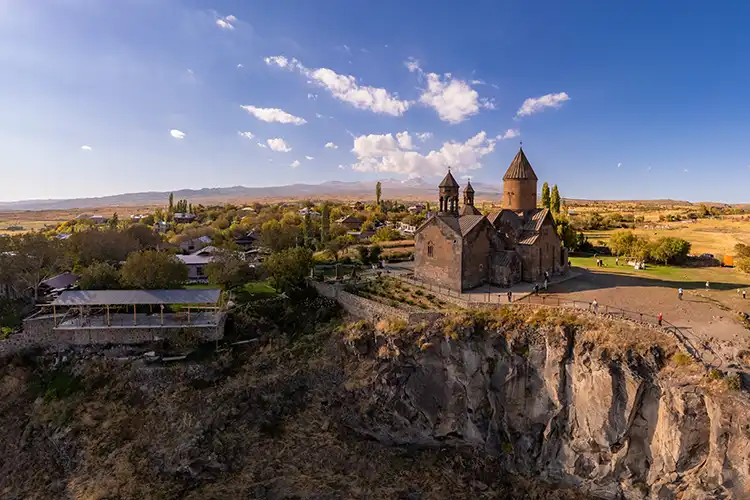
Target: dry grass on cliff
<point x="620" y="336"/>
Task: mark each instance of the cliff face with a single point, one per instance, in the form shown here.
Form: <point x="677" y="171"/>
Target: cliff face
<point x="552" y="404"/>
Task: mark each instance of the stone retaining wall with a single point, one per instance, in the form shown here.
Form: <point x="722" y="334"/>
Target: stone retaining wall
<point x="369" y="309"/>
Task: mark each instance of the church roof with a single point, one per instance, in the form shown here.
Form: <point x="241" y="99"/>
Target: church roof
<point x="449" y="181"/>
<point x="535" y="220"/>
<point x="520" y="168"/>
<point x="467" y="222"/>
<point x="468" y="188"/>
<point x="469" y="210"/>
<point x="528" y="238"/>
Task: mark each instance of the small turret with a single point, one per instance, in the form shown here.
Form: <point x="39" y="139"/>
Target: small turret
<point x="449" y="195"/>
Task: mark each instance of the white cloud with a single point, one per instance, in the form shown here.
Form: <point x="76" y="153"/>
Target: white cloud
<point x="86" y="148"/>
<point x="466" y="177"/>
<point x="331" y="145"/>
<point x="686" y="170"/>
<point x="312" y="96"/>
<point x="452" y="98"/>
<point x="225" y="23"/>
<point x="277" y="144"/>
<point x="404" y="140"/>
<point x="177" y="134"/>
<point x="536" y="104"/>
<point x="383" y="153"/>
<point x="509" y="134"/>
<point x="648" y="169"/>
<point x="295" y="164"/>
<point x="342" y="167"/>
<point x="260" y="144"/>
<point x="240" y="65"/>
<point x="345" y="88"/>
<point x="273" y="115"/>
<point x="309" y="158"/>
<point x="495" y="86"/>
<point x="619" y="164"/>
<point x="478" y="82"/>
<point x="423" y="136"/>
<point x="248" y="135"/>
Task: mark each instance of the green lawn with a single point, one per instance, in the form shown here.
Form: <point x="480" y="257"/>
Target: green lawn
<point x="666" y="273"/>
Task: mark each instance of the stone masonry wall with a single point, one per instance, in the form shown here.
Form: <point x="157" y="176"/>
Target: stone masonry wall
<point x="443" y="268"/>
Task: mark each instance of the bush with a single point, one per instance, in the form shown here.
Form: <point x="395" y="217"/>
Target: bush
<point x="100" y="276"/>
<point x="152" y="270"/>
<point x="682" y="359"/>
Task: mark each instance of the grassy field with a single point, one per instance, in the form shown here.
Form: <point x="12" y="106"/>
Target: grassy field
<point x="714" y="236"/>
<point x="727" y="276"/>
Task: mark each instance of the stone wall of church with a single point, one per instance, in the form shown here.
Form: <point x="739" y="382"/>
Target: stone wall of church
<point x="479" y="245"/>
<point x="544" y="255"/>
<point x="443" y="268"/>
<point x="519" y="194"/>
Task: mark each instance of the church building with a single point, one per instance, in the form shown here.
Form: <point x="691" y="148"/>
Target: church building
<point x="461" y="249"/>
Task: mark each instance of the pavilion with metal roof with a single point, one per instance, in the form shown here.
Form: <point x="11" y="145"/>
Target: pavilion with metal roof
<point x="84" y="308"/>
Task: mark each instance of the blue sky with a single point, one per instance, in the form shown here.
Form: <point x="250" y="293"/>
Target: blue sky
<point x="91" y="90"/>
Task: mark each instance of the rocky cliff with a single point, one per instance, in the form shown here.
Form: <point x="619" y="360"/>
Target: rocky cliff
<point x="610" y="409"/>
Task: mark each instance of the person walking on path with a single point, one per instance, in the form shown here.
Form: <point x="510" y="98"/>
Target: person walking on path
<point x="510" y="296"/>
<point x="679" y="293"/>
<point x="708" y="286"/>
<point x="545" y="284"/>
<point x="660" y="318"/>
<point x="536" y="289"/>
<point x="595" y="306"/>
<point x="617" y="261"/>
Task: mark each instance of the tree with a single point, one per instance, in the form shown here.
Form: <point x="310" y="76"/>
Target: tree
<point x="545" y="195"/>
<point x="159" y="215"/>
<point x="307" y="229"/>
<point x="152" y="270"/>
<point x="386" y="234"/>
<point x="171" y="203"/>
<point x="143" y="235"/>
<point x="669" y="250"/>
<point x="363" y="252"/>
<point x="555" y="200"/>
<point x="325" y="222"/>
<point x="91" y="246"/>
<point x="113" y="221"/>
<point x="229" y="270"/>
<point x="100" y="276"/>
<point x="28" y="260"/>
<point x="276" y="236"/>
<point x="375" y="251"/>
<point x="622" y="242"/>
<point x="378" y="193"/>
<point x="742" y="257"/>
<point x="288" y="269"/>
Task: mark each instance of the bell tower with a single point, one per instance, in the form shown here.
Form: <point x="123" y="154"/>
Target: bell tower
<point x="449" y="195"/>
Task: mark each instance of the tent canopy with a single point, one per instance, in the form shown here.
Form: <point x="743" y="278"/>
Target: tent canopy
<point x="137" y="297"/>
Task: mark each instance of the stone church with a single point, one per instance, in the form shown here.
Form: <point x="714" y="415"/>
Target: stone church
<point x="461" y="249"/>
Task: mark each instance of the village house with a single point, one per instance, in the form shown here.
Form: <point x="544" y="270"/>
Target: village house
<point x="311" y="212"/>
<point x="161" y="227"/>
<point x="196" y="263"/>
<point x="193" y="244"/>
<point x="407" y="229"/>
<point x="350" y="222"/>
<point x="247" y="241"/>
<point x="183" y="218"/>
<point x="461" y="249"/>
<point x="417" y="209"/>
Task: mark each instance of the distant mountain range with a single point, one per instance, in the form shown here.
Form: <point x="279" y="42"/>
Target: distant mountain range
<point x="410" y="189"/>
<point x="413" y="189"/>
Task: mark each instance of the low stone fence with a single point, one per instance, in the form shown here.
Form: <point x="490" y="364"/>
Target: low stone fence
<point x="369" y="309"/>
<point x="39" y="331"/>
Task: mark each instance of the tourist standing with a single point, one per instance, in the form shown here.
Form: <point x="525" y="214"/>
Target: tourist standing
<point x="708" y="285"/>
<point x="595" y="306"/>
<point x="617" y="261"/>
<point x="660" y="318"/>
<point x="545" y="284"/>
<point x="536" y="289"/>
<point x="510" y="296"/>
<point x="679" y="293"/>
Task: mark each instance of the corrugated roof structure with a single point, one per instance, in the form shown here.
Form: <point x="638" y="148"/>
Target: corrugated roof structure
<point x="136" y="297"/>
<point x="467" y="222"/>
<point x="520" y="168"/>
<point x="534" y="223"/>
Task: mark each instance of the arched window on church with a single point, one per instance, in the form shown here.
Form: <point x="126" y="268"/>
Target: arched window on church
<point x="430" y="249"/>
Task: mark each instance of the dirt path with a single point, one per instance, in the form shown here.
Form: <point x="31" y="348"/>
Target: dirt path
<point x="709" y="315"/>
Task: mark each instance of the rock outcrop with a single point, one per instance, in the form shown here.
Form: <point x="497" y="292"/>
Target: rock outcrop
<point x="552" y="404"/>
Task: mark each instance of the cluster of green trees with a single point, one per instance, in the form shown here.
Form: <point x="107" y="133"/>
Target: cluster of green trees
<point x="147" y="270"/>
<point x="551" y="199"/>
<point x="742" y="257"/>
<point x="665" y="250"/>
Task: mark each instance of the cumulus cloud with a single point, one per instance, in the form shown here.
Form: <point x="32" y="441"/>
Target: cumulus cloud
<point x="177" y="134"/>
<point x="295" y="164"/>
<point x="452" y="98"/>
<point x="260" y="144"/>
<point x="86" y="148"/>
<point x="277" y="144"/>
<point x="404" y="140"/>
<point x="509" y="134"/>
<point x="423" y="136"/>
<point x="619" y="164"/>
<point x="274" y="115"/>
<point x="225" y="23"/>
<point x="331" y="145"/>
<point x="309" y="158"/>
<point x="536" y="104"/>
<point x="384" y="153"/>
<point x="248" y="135"/>
<point x="345" y="88"/>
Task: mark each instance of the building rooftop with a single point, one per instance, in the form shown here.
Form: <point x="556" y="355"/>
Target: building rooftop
<point x="520" y="168"/>
<point x="449" y="181"/>
<point x="138" y="297"/>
